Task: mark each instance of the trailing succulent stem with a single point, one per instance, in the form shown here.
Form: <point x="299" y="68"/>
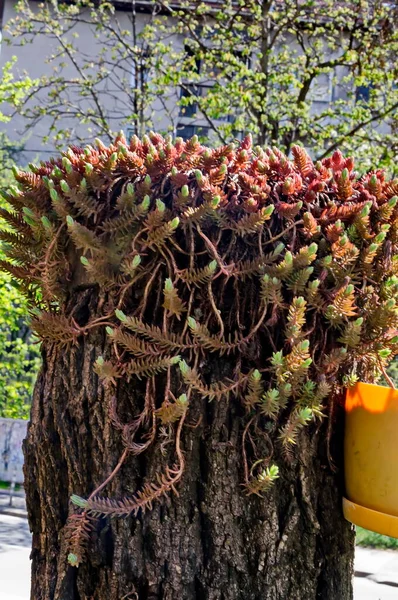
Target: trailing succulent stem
<point x="284" y="271"/>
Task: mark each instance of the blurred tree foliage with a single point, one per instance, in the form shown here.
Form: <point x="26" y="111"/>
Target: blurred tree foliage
<point x="321" y="74"/>
<point x="19" y="355"/>
<point x="19" y="351"/>
<point x="393" y="372"/>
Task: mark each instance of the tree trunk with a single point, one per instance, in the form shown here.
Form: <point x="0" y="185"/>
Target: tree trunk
<point x="212" y="541"/>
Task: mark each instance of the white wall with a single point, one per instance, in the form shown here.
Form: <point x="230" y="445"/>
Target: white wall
<point x="31" y="59"/>
<point x="12" y="434"/>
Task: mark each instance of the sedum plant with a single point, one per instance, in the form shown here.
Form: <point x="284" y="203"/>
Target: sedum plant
<point x="277" y="273"/>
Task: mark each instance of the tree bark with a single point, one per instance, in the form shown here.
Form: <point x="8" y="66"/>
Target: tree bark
<point x="212" y="541"/>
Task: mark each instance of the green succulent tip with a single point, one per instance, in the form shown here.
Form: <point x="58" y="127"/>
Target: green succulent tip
<point x="174" y="223"/>
<point x="67" y="164"/>
<point x="384" y="353"/>
<point x="29" y="220"/>
<point x="313" y="248"/>
<point x="380" y="237"/>
<point x="64" y="186"/>
<point x="212" y="266"/>
<point x="79" y="501"/>
<point x="305" y="414"/>
<point x="136" y="261"/>
<point x="46" y="222"/>
<point x="146" y="203"/>
<point x="366" y="209"/>
<point x="73" y="560"/>
<point x="273" y="471"/>
<point x="256" y="375"/>
<point x="192" y="323"/>
<point x="183" y="367"/>
<point x="215" y="202"/>
<point x="343" y="240"/>
<point x="168" y="285"/>
<point x="120" y="315"/>
<point x="53" y="194"/>
<point x="269" y="210"/>
<point x="27" y="211"/>
<point x="160" y="205"/>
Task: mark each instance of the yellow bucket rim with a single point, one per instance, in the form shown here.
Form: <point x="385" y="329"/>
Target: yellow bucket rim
<point x="373" y="386"/>
<point x="370" y="519"/>
<point x="371" y="397"/>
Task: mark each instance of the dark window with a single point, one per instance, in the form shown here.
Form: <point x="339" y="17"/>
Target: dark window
<point x="191" y="54"/>
<point x="199" y="90"/>
<point x="243" y="58"/>
<point x="229" y="118"/>
<point x="190" y="109"/>
<point x="362" y="93"/>
<point x="187" y="131"/>
<point x="238" y="135"/>
<point x="2" y="4"/>
<point x="140" y="70"/>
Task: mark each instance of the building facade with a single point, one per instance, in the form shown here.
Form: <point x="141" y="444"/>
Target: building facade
<point x="119" y="90"/>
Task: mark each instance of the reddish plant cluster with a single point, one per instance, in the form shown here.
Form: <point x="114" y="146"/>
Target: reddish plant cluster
<point x="279" y="274"/>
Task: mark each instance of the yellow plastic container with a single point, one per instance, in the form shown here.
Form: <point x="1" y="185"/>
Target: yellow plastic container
<point x="371" y="458"/>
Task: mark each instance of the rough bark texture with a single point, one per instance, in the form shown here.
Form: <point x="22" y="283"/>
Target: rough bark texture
<point x="212" y="542"/>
